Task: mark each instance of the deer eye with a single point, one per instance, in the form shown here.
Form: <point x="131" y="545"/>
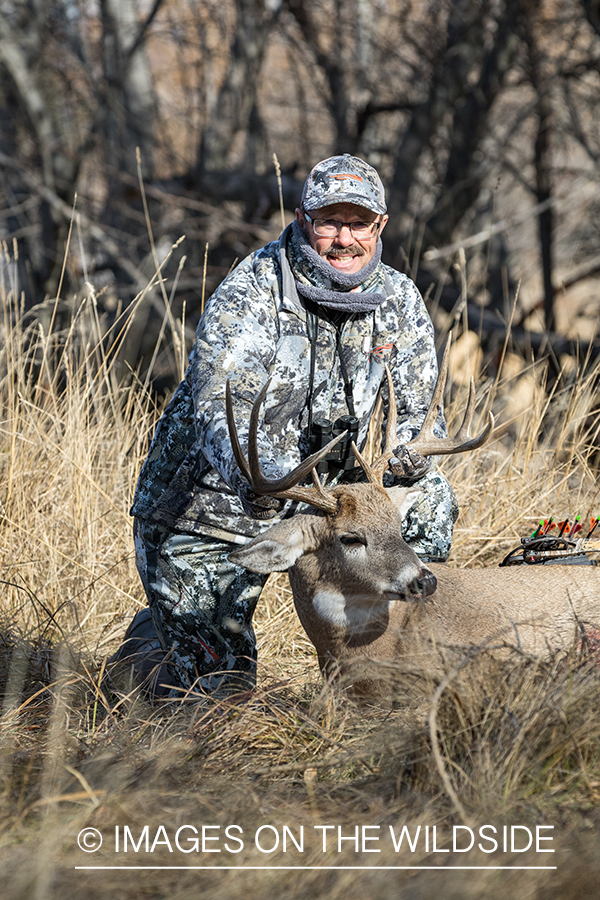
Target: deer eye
<point x="352" y="539"/>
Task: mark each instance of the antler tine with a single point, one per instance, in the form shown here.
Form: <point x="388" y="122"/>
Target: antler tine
<point x="257" y="478"/>
<point x="392" y="417"/>
<point x="463" y="436"/>
<point x="427" y="444"/>
<point x="438" y="393"/>
<point x="370" y="472"/>
<point x="233" y="435"/>
<point x="286" y="487"/>
<point x="375" y="471"/>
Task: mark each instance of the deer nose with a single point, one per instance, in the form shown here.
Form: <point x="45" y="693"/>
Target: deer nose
<point x="426" y="583"/>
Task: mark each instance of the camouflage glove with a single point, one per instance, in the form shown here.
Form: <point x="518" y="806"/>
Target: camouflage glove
<point x="256" y="506"/>
<point x="409" y="464"/>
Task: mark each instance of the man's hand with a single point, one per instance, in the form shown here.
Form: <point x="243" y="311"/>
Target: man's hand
<point x="257" y="506"/>
<point x="407" y="463"/>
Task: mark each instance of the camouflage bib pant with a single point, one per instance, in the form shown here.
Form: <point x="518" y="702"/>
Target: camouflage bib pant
<point x="201" y="607"/>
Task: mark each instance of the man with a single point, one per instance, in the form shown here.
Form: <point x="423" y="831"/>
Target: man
<point x="320" y="315"/>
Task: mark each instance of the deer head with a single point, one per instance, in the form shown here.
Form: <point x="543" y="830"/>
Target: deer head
<point x="350" y="555"/>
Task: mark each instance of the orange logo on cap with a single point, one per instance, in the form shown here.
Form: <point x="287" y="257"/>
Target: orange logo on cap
<point x="348" y="175"/>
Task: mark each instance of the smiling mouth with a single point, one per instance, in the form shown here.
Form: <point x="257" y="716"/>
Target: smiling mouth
<point x="341" y="262"/>
<point x="342" y="258"/>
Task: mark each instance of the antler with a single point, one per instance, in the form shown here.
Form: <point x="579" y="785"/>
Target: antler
<point x="426" y="443"/>
<point x="285" y="488"/>
<point x="375" y="471"/>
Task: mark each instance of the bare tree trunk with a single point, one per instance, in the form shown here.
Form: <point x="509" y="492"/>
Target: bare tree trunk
<point x="542" y="160"/>
<point x="236" y="105"/>
<point x="131" y="111"/>
<point x="459" y="57"/>
<point x="35" y="116"/>
<point x="546" y="218"/>
<point x="463" y="176"/>
<point x="591" y="9"/>
<point x="330" y="57"/>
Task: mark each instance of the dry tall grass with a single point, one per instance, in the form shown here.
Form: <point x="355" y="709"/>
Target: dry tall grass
<point x="517" y="742"/>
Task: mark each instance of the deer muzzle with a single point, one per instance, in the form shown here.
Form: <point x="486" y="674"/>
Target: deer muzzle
<point x="423" y="585"/>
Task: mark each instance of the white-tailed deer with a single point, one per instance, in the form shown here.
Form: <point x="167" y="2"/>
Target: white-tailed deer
<point x="362" y="594"/>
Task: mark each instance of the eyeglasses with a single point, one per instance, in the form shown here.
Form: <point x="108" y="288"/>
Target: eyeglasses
<point x="332" y="227"/>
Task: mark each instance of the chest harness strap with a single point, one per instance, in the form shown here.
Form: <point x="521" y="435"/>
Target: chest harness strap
<point x="312" y="328"/>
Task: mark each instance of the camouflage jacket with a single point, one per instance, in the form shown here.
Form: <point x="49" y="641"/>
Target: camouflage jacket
<point x="253" y="328"/>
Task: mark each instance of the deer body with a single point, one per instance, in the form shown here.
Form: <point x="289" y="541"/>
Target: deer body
<point x="535" y="609"/>
<point x="363" y="596"/>
<point x="365" y="599"/>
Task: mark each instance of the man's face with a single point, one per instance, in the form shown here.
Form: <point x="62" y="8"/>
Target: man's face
<point x="344" y="252"/>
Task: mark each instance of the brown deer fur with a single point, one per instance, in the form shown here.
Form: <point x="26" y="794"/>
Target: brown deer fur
<point x="362" y="594"/>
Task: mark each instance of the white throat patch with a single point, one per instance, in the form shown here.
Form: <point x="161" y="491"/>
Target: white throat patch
<point x="353" y="612"/>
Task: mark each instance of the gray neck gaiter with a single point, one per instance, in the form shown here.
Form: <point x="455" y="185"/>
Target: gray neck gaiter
<point x="318" y="281"/>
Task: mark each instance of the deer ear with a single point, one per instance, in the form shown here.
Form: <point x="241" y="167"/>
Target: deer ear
<point x="279" y="547"/>
<point x="404" y="498"/>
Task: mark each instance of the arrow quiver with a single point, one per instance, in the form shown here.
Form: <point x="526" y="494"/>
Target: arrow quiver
<point x="543" y="550"/>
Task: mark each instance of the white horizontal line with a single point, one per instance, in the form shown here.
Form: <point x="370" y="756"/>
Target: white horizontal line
<point x="300" y="868"/>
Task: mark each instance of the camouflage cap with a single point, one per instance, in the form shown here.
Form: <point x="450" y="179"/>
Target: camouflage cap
<point x="343" y="179"/>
